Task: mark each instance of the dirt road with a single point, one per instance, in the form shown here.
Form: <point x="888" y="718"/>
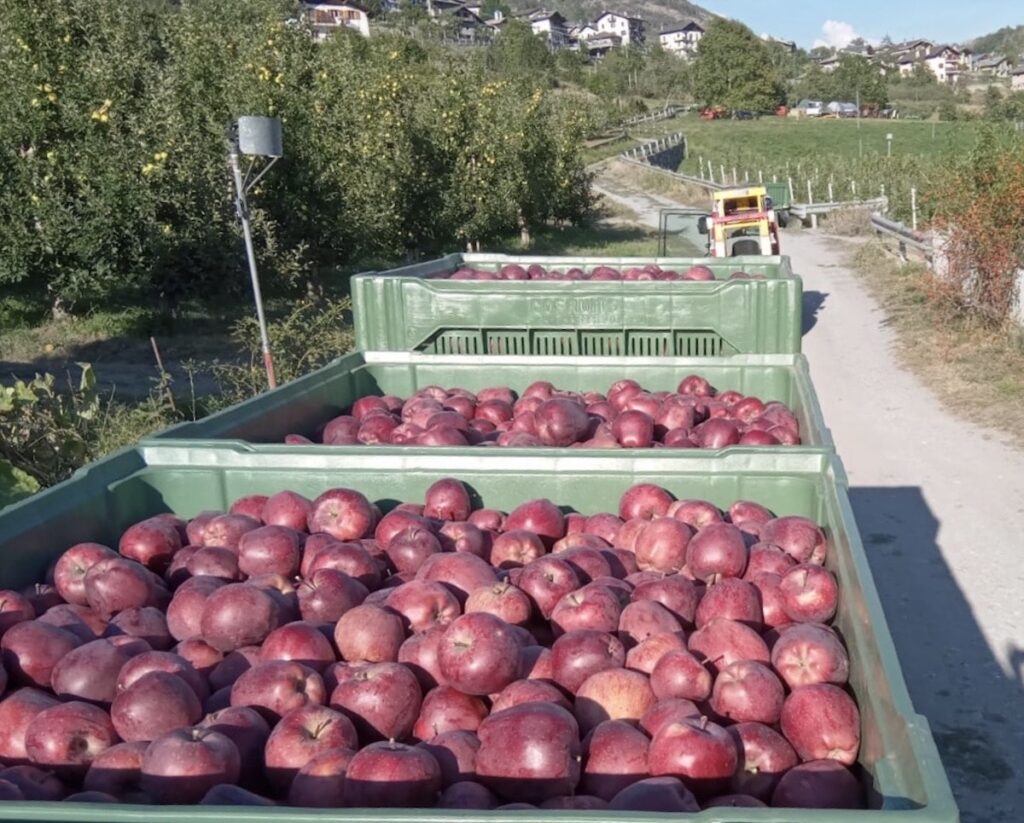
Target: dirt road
<point x="940" y="506"/>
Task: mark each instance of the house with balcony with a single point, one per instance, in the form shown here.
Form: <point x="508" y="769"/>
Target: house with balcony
<point x="1017" y="79"/>
<point x="630" y="30"/>
<point x="550" y="25"/>
<point x="682" y="40"/>
<point x="325" y="17"/>
<point x="948" y="63"/>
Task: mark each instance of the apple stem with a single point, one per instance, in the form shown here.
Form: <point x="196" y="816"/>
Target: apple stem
<point x="703" y="722"/>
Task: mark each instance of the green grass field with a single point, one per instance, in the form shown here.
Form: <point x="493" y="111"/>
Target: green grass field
<point x="849" y="154"/>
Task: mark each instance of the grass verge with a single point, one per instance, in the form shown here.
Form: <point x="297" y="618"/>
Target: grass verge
<point x="977" y="371"/>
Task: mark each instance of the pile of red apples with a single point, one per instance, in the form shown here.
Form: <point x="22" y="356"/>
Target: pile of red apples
<point x="651" y="271"/>
<point x="666" y="657"/>
<point x="694" y="416"/>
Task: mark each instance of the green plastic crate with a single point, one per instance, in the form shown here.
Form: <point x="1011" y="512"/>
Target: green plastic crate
<point x="901" y="770"/>
<point x="416" y="308"/>
<point x="303" y="405"/>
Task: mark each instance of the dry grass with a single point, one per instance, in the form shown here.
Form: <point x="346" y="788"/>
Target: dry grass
<point x="652" y="181"/>
<point x="978" y="372"/>
<point x="850" y="222"/>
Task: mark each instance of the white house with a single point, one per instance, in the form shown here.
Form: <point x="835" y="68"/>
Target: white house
<point x="550" y="25"/>
<point x="1017" y="79"/>
<point x="681" y="40"/>
<point x="583" y="31"/>
<point x="630" y="29"/>
<point x="947" y="63"/>
<point x="327" y="16"/>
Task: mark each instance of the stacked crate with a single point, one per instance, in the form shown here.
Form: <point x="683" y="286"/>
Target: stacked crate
<point x="414" y="328"/>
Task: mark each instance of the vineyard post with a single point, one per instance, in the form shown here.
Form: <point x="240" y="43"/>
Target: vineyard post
<point x="810" y="202"/>
<point x="721" y="169"/>
<point x="831" y="199"/>
<point x="735" y="177"/>
<point x="792" y="196"/>
<point x="886" y="206"/>
<point x="913" y="208"/>
<point x="760" y="176"/>
<point x="853" y="188"/>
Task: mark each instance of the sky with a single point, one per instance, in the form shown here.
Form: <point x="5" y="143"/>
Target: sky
<point x="820" y="22"/>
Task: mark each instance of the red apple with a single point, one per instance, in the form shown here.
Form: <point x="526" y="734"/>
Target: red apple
<point x="515" y="548"/>
<point x="392" y="775"/>
<point x="529" y="691"/>
<point x="479" y="654"/>
<point x="68" y="576"/>
<point x="798" y="537"/>
<point x="764" y="756"/>
<point x="184" y="765"/>
<point x="34" y="783"/>
<point x="461" y="571"/>
<point x="370" y="634"/>
<point x="67" y="737"/>
<point x="643" y="619"/>
<point x="646" y="655"/>
<point x="246" y="728"/>
<point x="502" y="600"/>
<point x="577" y="655"/>
<point x="154" y="705"/>
<point x="226" y="530"/>
<point x="410" y="548"/>
<point x="676" y="593"/>
<point x="301" y="735"/>
<point x="545" y="581"/>
<point x="680" y="675"/>
<point x="270" y="550"/>
<point x="645" y="501"/>
<point x="382" y="699"/>
<point x="591" y="607"/>
<point x="116" y="770"/>
<point x="238" y="614"/>
<point x="667" y="711"/>
<point x="613" y="694"/>
<point x="151" y="542"/>
<point x="662" y="545"/>
<point x="766" y="558"/>
<point x="723" y="641"/>
<point x="89" y="672"/>
<point x="455" y="752"/>
<point x="116" y="583"/>
<point x="529" y="752"/>
<point x="467" y="794"/>
<point x="809" y="594"/>
<point x="615" y="756"/>
<point x="344" y="514"/>
<point x="809" y="653"/>
<point x="447" y="499"/>
<point x="819" y="784"/>
<point x="320" y="783"/>
<point x="185" y="611"/>
<point x="716" y="551"/>
<point x="542" y="517"/>
<point x="733" y="599"/>
<point x="286" y="509"/>
<point x="31" y="649"/>
<point x="148" y="623"/>
<point x="419" y="653"/>
<point x="327" y="594"/>
<point x="299" y="641"/>
<point x="748" y="692"/>
<point x="17" y="710"/>
<point x="278" y="687"/>
<point x="655" y="794"/>
<point x="697" y="751"/>
<point x="822" y="722"/>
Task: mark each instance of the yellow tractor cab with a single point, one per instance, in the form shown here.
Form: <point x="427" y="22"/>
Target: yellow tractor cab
<point x="742" y="222"/>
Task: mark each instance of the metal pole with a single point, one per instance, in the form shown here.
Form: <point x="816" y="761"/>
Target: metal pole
<point x="242" y="208"/>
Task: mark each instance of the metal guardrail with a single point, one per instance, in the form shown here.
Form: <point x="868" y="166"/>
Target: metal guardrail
<point x="906" y="237"/>
<point x="682" y="178"/>
<point x="655" y="146"/>
<point x="666" y="113"/>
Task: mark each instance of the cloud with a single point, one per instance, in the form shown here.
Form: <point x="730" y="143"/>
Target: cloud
<point x="836" y="34"/>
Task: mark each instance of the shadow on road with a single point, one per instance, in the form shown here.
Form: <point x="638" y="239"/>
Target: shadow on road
<point x="976" y="710"/>
<point x="813" y="301"/>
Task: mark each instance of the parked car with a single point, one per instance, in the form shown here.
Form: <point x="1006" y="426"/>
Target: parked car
<point x="743" y="114"/>
<point x="809" y="108"/>
<point x="841" y="109"/>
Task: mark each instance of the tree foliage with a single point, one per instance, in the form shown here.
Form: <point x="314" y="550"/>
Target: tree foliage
<point x="853" y="78"/>
<point x="733" y="68"/>
<point x="114" y="186"/>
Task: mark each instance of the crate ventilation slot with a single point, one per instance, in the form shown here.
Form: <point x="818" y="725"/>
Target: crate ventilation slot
<point x="579" y="343"/>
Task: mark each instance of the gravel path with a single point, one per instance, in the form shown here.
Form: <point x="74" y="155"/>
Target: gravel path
<point x="940" y="507"/>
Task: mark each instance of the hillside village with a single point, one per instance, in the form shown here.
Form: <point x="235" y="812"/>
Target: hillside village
<point x="610" y="29"/>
